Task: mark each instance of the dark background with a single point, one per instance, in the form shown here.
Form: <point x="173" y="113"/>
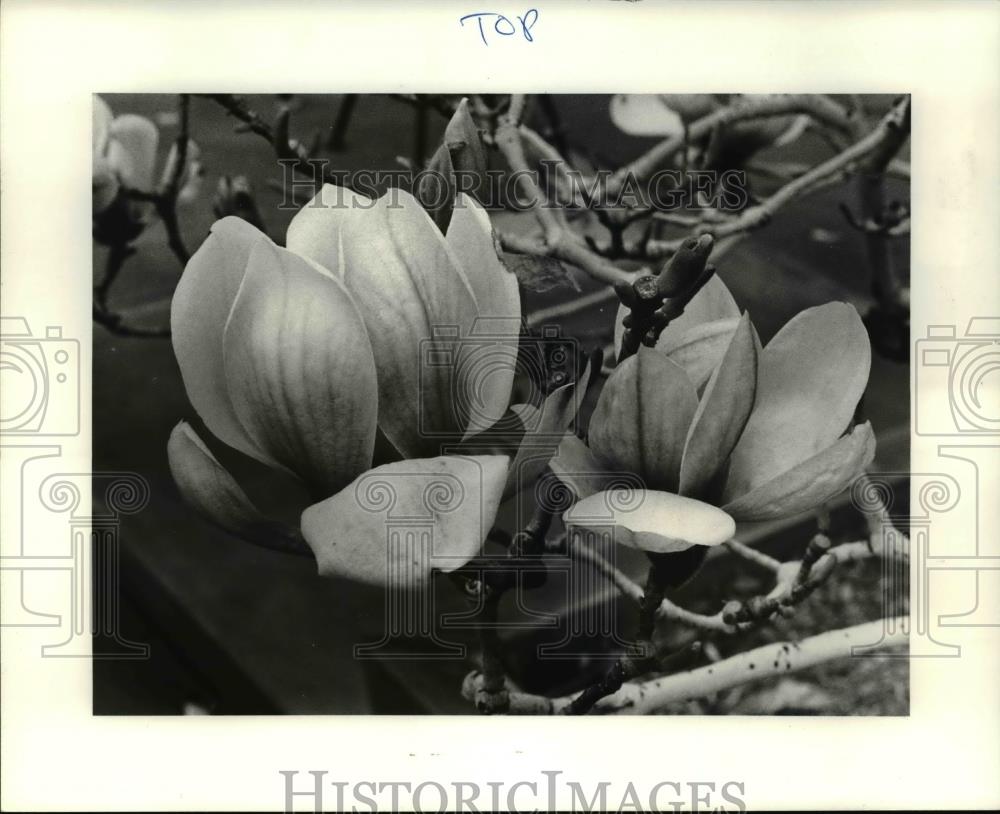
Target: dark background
<point x="235" y="629"/>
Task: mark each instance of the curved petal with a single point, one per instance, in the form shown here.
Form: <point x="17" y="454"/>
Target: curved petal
<point x="132" y="150"/>
<point x="544" y="430"/>
<point x="208" y="487"/>
<point x="811" y="375"/>
<point x="189" y="181"/>
<point x="201" y="305"/>
<point x="651" y="521"/>
<point x="701" y="349"/>
<point x="722" y="414"/>
<point x="811" y="483"/>
<point x="642" y="418"/>
<point x="580" y="470"/>
<point x="101" y="127"/>
<point x="691" y="106"/>
<point x="470" y="237"/>
<point x="299" y="369"/>
<point x="408" y="284"/>
<point x="645" y="114"/>
<point x="104" y="185"/>
<point x="713" y="302"/>
<point x="397" y="522"/>
<point x="315" y="230"/>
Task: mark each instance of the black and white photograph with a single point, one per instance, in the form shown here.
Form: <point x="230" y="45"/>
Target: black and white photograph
<point x="505" y="403"/>
<point x="587" y="405"/>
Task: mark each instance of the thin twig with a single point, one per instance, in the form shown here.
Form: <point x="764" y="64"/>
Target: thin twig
<point x="829" y="172"/>
<point x="753" y="555"/>
<point x="165" y="200"/>
<point x="820" y="108"/>
<point x="569" y="251"/>
<point x="296" y="156"/>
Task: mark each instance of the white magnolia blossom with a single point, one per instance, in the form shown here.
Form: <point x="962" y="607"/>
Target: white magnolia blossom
<point x="711" y="416"/>
<point x="300" y="356"/>
<point x="124" y="153"/>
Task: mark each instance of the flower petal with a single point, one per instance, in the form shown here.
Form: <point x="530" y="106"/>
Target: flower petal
<point x="189" y="182"/>
<point x="101" y="128"/>
<point x="207" y="485"/>
<point x="642" y="418"/>
<point x="299" y="368"/>
<point x="811" y="482"/>
<point x="315" y="230"/>
<point x="721" y="415"/>
<point x="713" y="302"/>
<point x="811" y="375"/>
<point x="701" y="349"/>
<point x="543" y="433"/>
<point x="645" y="114"/>
<point x="652" y="521"/>
<point x="201" y="305"/>
<point x="104" y="185"/>
<point x="132" y="150"/>
<point x="395" y="523"/>
<point x="579" y="469"/>
<point x="470" y="237"/>
<point x="407" y="283"/>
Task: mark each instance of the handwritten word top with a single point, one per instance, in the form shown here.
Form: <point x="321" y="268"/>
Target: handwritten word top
<point x="491" y="23"/>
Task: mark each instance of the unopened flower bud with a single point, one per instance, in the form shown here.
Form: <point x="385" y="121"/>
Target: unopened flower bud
<point x="732" y="612"/>
<point x="822" y="570"/>
<point x="461" y="153"/>
<point x="685" y="267"/>
<point x="189" y="182"/>
<point x="235" y="196"/>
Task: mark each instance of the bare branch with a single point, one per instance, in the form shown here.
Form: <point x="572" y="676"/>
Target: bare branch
<point x="780" y="658"/>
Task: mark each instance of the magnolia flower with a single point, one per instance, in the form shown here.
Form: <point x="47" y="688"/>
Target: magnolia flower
<point x="660" y="114"/>
<point x="710" y="416"/>
<point x="667" y="116"/>
<point x="124" y="154"/>
<point x="299" y="356"/>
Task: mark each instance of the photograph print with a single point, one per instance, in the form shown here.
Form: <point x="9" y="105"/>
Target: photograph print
<point x="502" y="404"/>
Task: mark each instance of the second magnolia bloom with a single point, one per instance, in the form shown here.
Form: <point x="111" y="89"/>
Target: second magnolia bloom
<point x="710" y="415"/>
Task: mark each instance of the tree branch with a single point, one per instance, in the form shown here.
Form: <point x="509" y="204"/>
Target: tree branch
<point x="820" y="108"/>
<point x="780" y="658"/>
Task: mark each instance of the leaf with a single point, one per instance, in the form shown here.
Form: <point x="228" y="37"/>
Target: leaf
<point x="539" y="273"/>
